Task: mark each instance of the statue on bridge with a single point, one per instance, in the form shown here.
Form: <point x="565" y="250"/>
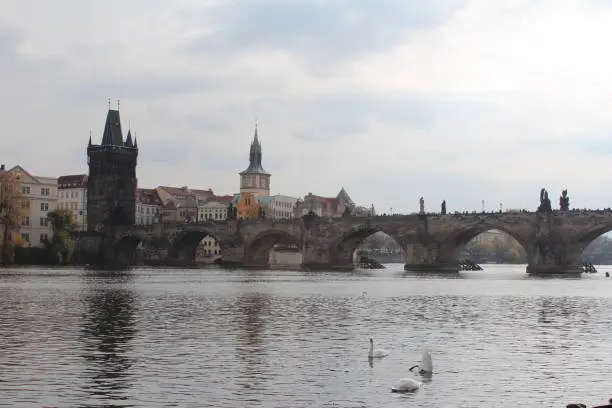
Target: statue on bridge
<point x="564" y="201"/>
<point x="443" y="209"/>
<point x="421" y="206"/>
<point x="545" y="206"/>
<point x="347" y="212"/>
<point x="232" y="212"/>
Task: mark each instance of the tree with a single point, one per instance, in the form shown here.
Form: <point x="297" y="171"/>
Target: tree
<point x="63" y="225"/>
<point x="12" y="206"/>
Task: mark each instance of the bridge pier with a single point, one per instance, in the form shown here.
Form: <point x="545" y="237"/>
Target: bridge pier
<point x="549" y="257"/>
<point x="429" y="257"/>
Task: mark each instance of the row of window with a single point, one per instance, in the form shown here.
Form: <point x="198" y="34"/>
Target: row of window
<point x="283" y="204"/>
<point x="211" y="251"/>
<point x="25" y="204"/>
<point x="25" y="221"/>
<point x="44" y="191"/>
<point x="69" y="194"/>
<point x="26" y="237"/>
<point x="69" y="206"/>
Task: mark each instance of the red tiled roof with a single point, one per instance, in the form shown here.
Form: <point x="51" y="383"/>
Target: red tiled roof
<point x="147" y="196"/>
<point x="332" y="202"/>
<point x="72" y="181"/>
<point x="187" y="192"/>
<point x="177" y="191"/>
<point x="222" y="199"/>
<point x="203" y="193"/>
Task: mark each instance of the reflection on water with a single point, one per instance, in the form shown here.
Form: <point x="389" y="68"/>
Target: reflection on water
<point x="108" y="328"/>
<point x="250" y="348"/>
<point x="225" y="339"/>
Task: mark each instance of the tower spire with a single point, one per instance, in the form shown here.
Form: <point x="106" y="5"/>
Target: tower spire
<point x="109" y="103"/>
<point x="118" y="103"/>
<point x="89" y="137"/>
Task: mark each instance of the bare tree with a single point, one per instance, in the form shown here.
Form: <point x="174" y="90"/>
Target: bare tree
<point x="13" y="204"/>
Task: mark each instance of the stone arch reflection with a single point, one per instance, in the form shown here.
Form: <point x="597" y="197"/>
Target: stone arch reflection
<point x="108" y="328"/>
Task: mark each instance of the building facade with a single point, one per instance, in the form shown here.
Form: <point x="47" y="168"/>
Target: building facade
<point x="332" y="207"/>
<point x="112" y="182"/>
<point x="255" y="180"/>
<point x="39" y="197"/>
<point x="282" y="207"/>
<point x="214" y="208"/>
<point x="72" y="196"/>
<point x="182" y="203"/>
<point x="148" y="206"/>
<point x="247" y="206"/>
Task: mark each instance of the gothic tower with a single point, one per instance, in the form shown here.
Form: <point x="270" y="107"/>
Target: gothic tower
<point x="112" y="184"/>
<point x="255" y="179"/>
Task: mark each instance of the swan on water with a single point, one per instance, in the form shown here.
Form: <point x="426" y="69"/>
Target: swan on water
<point x="426" y="364"/>
<point x="378" y="353"/>
<point x="406" y="385"/>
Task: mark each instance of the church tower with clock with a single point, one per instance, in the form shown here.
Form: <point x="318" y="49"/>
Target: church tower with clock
<point x="255" y="179"/>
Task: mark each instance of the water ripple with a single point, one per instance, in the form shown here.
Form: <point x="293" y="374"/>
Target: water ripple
<point x="215" y="338"/>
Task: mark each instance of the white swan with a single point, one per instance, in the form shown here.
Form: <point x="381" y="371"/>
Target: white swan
<point x="406" y="385"/>
<point x="426" y="364"/>
<point x="378" y="353"/>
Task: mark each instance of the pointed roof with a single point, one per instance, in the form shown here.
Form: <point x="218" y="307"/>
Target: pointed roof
<point x="343" y="196"/>
<point x="255" y="145"/>
<point x="112" y="136"/>
<point x="255" y="157"/>
<point x="128" y="139"/>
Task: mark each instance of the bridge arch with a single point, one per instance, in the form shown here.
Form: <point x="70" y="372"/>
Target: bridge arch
<point x="258" y="249"/>
<point x="185" y="244"/>
<point x="125" y="248"/>
<point x="576" y="249"/>
<point x="343" y="249"/>
<point x="462" y="236"/>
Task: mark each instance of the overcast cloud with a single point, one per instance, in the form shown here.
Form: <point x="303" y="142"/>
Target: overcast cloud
<point x="393" y="99"/>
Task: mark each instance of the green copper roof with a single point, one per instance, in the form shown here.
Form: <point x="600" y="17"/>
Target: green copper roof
<point x="255" y="157"/>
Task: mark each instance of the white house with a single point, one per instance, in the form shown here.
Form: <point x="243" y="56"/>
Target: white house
<point x="40" y="197"/>
<point x="72" y="196"/>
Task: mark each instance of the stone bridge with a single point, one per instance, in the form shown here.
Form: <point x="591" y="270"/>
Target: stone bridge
<point x="553" y="241"/>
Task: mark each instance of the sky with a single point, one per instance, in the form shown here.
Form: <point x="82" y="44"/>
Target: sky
<point x="456" y="100"/>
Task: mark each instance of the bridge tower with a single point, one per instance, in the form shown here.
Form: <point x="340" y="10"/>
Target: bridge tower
<point x="112" y="184"/>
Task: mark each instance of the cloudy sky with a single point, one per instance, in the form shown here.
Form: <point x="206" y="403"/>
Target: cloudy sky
<point x="463" y="100"/>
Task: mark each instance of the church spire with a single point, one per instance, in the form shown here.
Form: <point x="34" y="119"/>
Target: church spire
<point x="255" y="156"/>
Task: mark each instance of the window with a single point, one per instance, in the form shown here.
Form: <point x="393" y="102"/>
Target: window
<point x="44" y="191"/>
<point x="44" y="206"/>
<point x="25" y="189"/>
<point x="44" y="221"/>
<point x="25" y="204"/>
<point x="43" y="238"/>
<point x="25" y="236"/>
<point x="25" y="220"/>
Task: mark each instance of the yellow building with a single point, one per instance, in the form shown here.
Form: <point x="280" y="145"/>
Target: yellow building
<point x="247" y="206"/>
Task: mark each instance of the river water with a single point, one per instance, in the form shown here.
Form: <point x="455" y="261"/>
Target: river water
<point x="220" y="338"/>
